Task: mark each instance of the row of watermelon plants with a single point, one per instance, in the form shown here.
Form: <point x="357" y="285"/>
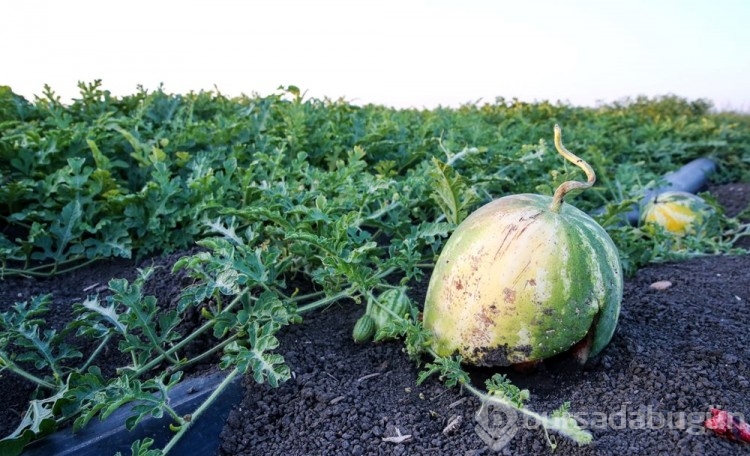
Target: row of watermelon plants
<point x="355" y="201"/>
<point x="110" y="176"/>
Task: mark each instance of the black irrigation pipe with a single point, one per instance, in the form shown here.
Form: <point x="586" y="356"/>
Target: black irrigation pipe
<point x="110" y="436"/>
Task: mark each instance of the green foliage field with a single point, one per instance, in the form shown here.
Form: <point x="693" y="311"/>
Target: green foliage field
<point x="349" y="199"/>
<point x="153" y="172"/>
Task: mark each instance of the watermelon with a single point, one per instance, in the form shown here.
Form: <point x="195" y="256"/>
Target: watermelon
<point x="679" y="213"/>
<point x="364" y="329"/>
<point x="392" y="304"/>
<point x="523" y="278"/>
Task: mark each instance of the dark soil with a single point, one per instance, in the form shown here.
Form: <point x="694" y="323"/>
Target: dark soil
<point x="677" y="352"/>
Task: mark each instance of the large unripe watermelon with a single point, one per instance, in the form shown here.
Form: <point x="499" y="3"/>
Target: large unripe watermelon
<point x="677" y="212"/>
<point x="521" y="279"/>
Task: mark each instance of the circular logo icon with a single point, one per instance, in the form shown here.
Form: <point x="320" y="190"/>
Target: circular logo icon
<point x="496" y="425"/>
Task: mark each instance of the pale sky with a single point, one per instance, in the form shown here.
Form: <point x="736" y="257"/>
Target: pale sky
<point x="402" y="53"/>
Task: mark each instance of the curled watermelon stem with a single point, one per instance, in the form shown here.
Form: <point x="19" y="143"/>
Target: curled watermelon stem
<point x="566" y="187"/>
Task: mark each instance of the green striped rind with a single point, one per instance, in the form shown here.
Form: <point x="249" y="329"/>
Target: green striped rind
<point x="392" y="304"/>
<point x="395" y="300"/>
<point x="364" y="329"/>
<point x="517" y="282"/>
<point x="603" y="259"/>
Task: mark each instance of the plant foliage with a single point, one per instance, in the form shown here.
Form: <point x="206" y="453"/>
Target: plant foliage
<point x="280" y="190"/>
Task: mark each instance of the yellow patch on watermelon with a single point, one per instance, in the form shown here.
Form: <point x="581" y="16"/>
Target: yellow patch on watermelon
<point x="679" y="213"/>
<point x="674" y="217"/>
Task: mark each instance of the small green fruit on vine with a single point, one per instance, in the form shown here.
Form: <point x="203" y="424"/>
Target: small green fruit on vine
<point x="364" y="329"/>
<point x="392" y="304"/>
<point x="526" y="277"/>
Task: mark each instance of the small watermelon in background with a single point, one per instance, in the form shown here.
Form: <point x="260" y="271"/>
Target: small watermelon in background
<point x="677" y="212"/>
